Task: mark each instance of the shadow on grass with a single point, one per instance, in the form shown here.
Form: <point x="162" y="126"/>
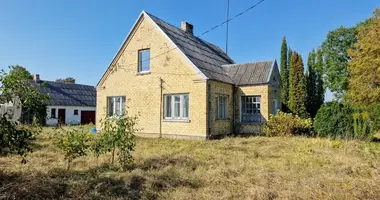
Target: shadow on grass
<point x="157" y="163"/>
<point x="94" y="184"/>
<point x="59" y="183"/>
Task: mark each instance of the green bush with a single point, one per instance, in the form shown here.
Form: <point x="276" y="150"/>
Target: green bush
<point x="16" y="139"/>
<point x="118" y="134"/>
<point x="334" y="120"/>
<point x="287" y="124"/>
<point x="363" y="126"/>
<point x="374" y="113"/>
<point x="74" y="142"/>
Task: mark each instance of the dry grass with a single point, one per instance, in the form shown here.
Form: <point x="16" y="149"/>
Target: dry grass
<point x="232" y="168"/>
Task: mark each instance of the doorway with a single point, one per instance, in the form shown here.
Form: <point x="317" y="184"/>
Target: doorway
<point x="61" y="116"/>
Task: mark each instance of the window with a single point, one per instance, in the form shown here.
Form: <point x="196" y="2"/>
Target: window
<point x="53" y="113"/>
<point x="115" y="106"/>
<point x="275" y="106"/>
<point x="250" y="109"/>
<point x="176" y="106"/>
<point x="144" y="60"/>
<point x="221" y="107"/>
<point x="75" y="112"/>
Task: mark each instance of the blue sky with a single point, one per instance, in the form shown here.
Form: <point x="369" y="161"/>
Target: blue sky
<point x="75" y="38"/>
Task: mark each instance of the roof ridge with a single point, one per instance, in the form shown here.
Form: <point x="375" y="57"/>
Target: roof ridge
<point x="66" y="83"/>
<point x="235" y="64"/>
<point x="198" y="38"/>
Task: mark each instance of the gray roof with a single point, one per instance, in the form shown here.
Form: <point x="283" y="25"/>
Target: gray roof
<point x="250" y="73"/>
<point x="68" y="94"/>
<point x="208" y="58"/>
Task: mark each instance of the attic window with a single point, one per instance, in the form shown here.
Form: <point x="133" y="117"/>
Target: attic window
<point x="144" y="60"/>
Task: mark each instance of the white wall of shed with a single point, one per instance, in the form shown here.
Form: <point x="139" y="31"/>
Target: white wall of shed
<point x="70" y="117"/>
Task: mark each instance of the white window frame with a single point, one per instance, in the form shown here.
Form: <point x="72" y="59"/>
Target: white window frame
<point x="275" y="106"/>
<point x="221" y="108"/>
<point x="114" y="109"/>
<point x="141" y="61"/>
<point x="181" y="107"/>
<point x="253" y="103"/>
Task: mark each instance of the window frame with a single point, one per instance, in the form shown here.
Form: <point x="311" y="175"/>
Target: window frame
<point x="121" y="109"/>
<point x="182" y="107"/>
<point x="220" y="113"/>
<point x="76" y="112"/>
<point x="55" y="113"/>
<point x="140" y="61"/>
<point x="259" y="115"/>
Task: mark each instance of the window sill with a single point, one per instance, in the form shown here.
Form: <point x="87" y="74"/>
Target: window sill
<point x="143" y="73"/>
<point x="251" y="123"/>
<point x="177" y="120"/>
<point x="228" y="119"/>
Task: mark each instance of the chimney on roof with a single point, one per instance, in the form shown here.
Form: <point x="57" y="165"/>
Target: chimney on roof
<point x="187" y="27"/>
<point x="36" y="78"/>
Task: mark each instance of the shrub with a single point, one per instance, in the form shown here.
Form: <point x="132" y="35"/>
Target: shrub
<point x="374" y="112"/>
<point x="16" y="139"/>
<point x="334" y="120"/>
<point x="363" y="126"/>
<point x="287" y="124"/>
<point x="74" y="142"/>
<point x="118" y="134"/>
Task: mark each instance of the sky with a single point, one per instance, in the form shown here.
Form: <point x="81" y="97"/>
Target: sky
<point x="72" y="38"/>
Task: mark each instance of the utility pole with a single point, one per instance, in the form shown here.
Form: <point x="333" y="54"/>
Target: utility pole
<point x="228" y="20"/>
<point x="161" y="110"/>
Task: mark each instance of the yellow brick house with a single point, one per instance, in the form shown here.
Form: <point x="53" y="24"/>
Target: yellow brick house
<point x="183" y="86"/>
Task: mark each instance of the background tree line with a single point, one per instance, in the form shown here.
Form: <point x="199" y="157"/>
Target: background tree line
<point x="348" y="64"/>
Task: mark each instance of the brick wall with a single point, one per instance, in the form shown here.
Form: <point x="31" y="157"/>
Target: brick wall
<point x="221" y="89"/>
<point x="143" y="92"/>
<point x="256" y="90"/>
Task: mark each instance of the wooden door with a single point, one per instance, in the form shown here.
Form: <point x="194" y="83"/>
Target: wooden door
<point x="62" y="116"/>
<point x="87" y="117"/>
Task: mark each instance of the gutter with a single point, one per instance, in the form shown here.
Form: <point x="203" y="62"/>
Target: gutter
<point x="209" y="110"/>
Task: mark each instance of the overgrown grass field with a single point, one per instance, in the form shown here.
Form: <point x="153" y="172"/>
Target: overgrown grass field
<point x="231" y="168"/>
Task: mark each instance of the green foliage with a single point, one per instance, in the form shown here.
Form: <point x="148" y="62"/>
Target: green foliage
<point x="284" y="70"/>
<point x="66" y="80"/>
<point x="374" y="113"/>
<point x="315" y="91"/>
<point x="335" y="50"/>
<point x="118" y="134"/>
<point x="297" y="87"/>
<point x="334" y="120"/>
<point x="376" y="13"/>
<point x="287" y="124"/>
<point x="16" y="139"/>
<point x="362" y="126"/>
<point x="74" y="142"/>
<point x="17" y="85"/>
<point x="364" y="68"/>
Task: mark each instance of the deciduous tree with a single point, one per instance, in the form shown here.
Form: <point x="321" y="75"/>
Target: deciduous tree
<point x="364" y="68"/>
<point x="335" y="50"/>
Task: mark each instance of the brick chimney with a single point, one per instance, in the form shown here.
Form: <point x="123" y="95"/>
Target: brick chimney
<point x="36" y="78"/>
<point x="187" y="27"/>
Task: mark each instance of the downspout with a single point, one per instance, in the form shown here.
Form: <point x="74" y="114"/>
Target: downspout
<point x="209" y="109"/>
<point x="233" y="109"/>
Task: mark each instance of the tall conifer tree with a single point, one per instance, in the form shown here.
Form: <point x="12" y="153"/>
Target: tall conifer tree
<point x="311" y="84"/>
<point x="297" y="87"/>
<point x="284" y="70"/>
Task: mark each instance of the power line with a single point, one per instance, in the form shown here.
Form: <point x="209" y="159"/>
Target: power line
<point x="204" y="33"/>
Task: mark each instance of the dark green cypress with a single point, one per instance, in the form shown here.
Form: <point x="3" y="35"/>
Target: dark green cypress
<point x="284" y="72"/>
<point x="311" y="84"/>
<point x="297" y="87"/>
<point x="320" y="90"/>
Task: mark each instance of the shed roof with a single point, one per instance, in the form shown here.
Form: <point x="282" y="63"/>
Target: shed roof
<point x="250" y="73"/>
<point x="68" y="94"/>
